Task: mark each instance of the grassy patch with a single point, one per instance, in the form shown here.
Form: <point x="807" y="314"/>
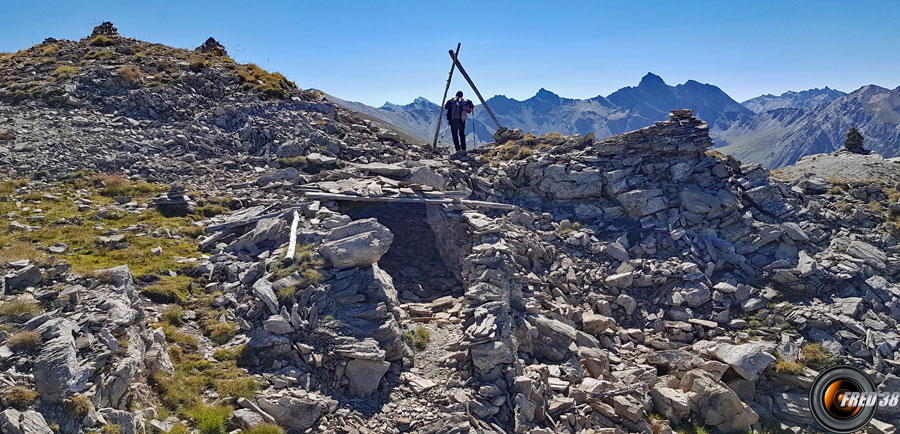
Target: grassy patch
<point x="892" y="194"/>
<point x="111" y="428"/>
<point x="29" y="341"/>
<point x="117" y="185"/>
<point x="510" y="151"/>
<point x="266" y="428"/>
<point x="787" y="367"/>
<point x="212" y="210"/>
<point x="78" y="406"/>
<point x="193" y="231"/>
<point x="220" y="332"/>
<point x="210" y="419"/>
<point x="168" y="289"/>
<point x="198" y="63"/>
<point x="816" y="355"/>
<point x="173" y="315"/>
<point x="131" y="73"/>
<point x="575" y="226"/>
<point x="694" y="428"/>
<point x="18" y="308"/>
<point x="184" y="340"/>
<point x="47" y="49"/>
<point x="64" y="72"/>
<point x="79" y="230"/>
<point x="178" y="428"/>
<point x="875" y="206"/>
<point x="100" y="41"/>
<point x="270" y="85"/>
<point x="223" y="354"/>
<point x="14" y="250"/>
<point x="244" y="387"/>
<point x="20" y="397"/>
<point x="297" y="161"/>
<point x="194" y="374"/>
<point x="305" y="258"/>
<point x="418" y="339"/>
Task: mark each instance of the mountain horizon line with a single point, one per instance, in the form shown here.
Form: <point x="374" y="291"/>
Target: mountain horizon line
<point x="649" y="77"/>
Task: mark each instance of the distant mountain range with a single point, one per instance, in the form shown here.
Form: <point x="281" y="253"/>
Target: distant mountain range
<point x="781" y="136"/>
<point x="769" y="129"/>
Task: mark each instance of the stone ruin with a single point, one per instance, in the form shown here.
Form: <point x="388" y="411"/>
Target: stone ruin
<point x="854" y="142"/>
<point x="212" y="46"/>
<point x="106" y="28"/>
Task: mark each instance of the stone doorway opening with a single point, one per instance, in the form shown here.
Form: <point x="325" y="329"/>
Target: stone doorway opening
<point x="413" y="261"/>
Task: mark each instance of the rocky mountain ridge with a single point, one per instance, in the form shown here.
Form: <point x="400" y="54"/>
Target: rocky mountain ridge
<point x="305" y="270"/>
<point x="771" y="130"/>
<point x="790" y="99"/>
<point x="626" y="109"/>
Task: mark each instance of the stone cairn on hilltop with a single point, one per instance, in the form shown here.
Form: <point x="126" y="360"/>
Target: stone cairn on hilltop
<point x="105" y="29"/>
<point x="212" y="46"/>
<point x="854" y="142"/>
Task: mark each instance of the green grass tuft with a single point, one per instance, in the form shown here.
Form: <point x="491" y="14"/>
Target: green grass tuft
<point x="266" y="428"/>
<point x="419" y="339"/>
<point x="168" y="289"/>
<point x="210" y="419"/>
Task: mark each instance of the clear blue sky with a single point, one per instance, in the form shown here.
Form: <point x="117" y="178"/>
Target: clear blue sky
<point x="394" y="51"/>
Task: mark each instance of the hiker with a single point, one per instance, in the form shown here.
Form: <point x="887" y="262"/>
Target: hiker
<point x="457" y="110"/>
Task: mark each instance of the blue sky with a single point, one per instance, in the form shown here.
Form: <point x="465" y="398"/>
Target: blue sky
<point x="394" y="51"/>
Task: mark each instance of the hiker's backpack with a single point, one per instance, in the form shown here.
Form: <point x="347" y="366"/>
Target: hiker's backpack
<point x="456" y="109"/>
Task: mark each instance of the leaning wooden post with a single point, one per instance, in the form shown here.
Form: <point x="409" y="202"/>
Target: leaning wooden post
<point x="293" y="244"/>
<point x="444" y="100"/>
<point x="463" y="72"/>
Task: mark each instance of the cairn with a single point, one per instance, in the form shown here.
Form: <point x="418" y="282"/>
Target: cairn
<point x="212" y="46"/>
<point x="175" y="203"/>
<point x="106" y="29"/>
<point x="854" y="142"/>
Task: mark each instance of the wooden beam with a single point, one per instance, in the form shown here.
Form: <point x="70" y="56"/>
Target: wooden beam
<point x="444" y="100"/>
<point x="463" y="72"/>
<point x="293" y="244"/>
<point x="422" y="200"/>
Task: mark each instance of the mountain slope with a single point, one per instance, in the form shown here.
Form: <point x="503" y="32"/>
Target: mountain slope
<point x="780" y="137"/>
<point x="414" y="119"/>
<point x="790" y="99"/>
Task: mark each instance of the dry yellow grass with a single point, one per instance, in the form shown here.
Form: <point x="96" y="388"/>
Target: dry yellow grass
<point x="131" y="73"/>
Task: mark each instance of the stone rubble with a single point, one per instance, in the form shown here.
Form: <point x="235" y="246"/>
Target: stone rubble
<point x="582" y="286"/>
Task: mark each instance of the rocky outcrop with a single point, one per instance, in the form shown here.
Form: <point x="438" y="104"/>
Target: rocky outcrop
<point x="13" y="421"/>
<point x="296" y="412"/>
<point x="57" y="371"/>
